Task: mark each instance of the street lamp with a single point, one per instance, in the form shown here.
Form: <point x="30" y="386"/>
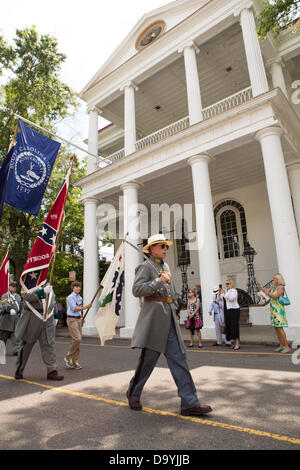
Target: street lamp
<point x="183" y="261"/>
<point x="249" y="254"/>
<point x="184" y="285"/>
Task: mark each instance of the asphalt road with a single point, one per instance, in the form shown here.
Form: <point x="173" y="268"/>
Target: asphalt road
<point x="254" y="393"/>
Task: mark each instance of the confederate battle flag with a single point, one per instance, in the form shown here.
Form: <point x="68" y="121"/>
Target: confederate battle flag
<point x="4" y="275"/>
<point x="37" y="265"/>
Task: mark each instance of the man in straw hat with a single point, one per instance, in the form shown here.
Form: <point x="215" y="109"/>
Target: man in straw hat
<point x="217" y="308"/>
<point x="157" y="330"/>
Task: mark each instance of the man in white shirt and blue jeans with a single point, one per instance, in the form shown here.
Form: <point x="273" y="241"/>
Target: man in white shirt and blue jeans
<point x="74" y="322"/>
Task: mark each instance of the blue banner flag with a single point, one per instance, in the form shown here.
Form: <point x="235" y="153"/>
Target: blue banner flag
<point x="3" y="177"/>
<point x="30" y="169"/>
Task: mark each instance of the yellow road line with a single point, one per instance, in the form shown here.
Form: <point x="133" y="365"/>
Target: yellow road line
<point x="216" y="424"/>
<point x="188" y="350"/>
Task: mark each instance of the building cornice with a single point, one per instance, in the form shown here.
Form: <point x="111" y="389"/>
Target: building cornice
<point x="207" y="21"/>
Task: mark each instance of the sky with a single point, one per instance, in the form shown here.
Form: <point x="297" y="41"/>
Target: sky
<point x="87" y="31"/>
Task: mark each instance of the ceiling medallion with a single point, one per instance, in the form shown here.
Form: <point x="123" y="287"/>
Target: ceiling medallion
<point x="150" y="34"/>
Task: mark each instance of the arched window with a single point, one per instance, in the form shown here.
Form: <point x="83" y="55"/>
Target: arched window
<point x="231" y="228"/>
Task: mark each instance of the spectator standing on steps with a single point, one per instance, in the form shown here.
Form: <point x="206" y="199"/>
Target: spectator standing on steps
<point x="196" y="322"/>
<point x="233" y="314"/>
<point x="217" y="308"/>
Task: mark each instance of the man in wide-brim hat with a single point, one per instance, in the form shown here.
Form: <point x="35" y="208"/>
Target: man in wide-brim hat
<point x="217" y="308"/>
<point x="156" y="240"/>
<point x="157" y="329"/>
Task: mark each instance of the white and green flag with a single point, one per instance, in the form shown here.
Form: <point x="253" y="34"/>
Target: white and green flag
<point x="111" y="298"/>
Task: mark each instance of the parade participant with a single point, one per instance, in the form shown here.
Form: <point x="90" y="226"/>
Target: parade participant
<point x="157" y="330"/>
<point x="33" y="326"/>
<point x="10" y="309"/>
<point x="74" y="322"/>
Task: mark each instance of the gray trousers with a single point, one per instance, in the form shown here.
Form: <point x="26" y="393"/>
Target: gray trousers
<point x="47" y="350"/>
<point x="178" y="367"/>
<point x="16" y="342"/>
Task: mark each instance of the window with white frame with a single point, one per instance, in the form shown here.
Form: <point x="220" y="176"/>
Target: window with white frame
<point x="231" y="229"/>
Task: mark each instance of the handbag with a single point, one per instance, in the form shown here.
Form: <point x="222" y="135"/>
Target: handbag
<point x="284" y="300"/>
<point x="188" y="324"/>
<point x="198" y="322"/>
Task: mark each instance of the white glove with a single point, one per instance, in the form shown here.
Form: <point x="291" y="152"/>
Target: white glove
<point x="48" y="289"/>
<point x="13" y="312"/>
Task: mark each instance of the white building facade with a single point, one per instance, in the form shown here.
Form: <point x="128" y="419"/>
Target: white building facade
<point x="205" y="128"/>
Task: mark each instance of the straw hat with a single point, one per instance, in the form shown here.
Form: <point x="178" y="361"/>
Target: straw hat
<point x="155" y="240"/>
<point x="216" y="290"/>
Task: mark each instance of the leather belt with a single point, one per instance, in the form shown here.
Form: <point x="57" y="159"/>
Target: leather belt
<point x="160" y="299"/>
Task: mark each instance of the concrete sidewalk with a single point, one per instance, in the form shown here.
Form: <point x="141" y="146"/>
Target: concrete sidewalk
<point x="261" y="335"/>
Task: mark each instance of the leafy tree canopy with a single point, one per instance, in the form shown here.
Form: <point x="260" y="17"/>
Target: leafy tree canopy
<point x="277" y="14"/>
<point x="34" y="90"/>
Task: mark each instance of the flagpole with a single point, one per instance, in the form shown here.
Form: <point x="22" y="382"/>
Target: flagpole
<point x="92" y="301"/>
<point x="57" y="239"/>
<point x="98" y="290"/>
<point x="61" y="138"/>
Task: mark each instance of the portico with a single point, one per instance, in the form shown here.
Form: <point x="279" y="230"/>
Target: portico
<point x="194" y="130"/>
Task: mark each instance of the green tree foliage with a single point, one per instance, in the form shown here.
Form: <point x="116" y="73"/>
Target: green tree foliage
<point x="34" y="90"/>
<point x="277" y="14"/>
<point x="66" y="263"/>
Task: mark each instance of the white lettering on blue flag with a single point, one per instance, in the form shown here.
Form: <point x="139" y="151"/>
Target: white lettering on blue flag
<point x="30" y="169"/>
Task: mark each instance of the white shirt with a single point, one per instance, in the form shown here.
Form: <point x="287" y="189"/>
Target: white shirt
<point x="231" y="299"/>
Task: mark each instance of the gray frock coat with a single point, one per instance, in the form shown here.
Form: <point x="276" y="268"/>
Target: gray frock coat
<point x="29" y="326"/>
<point x="153" y="324"/>
<point x="7" y="321"/>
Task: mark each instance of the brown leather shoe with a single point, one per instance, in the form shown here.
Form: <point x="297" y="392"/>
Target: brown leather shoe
<point x="54" y="375"/>
<point x="134" y="405"/>
<point x="197" y="410"/>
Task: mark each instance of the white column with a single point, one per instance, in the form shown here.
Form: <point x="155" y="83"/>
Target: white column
<point x="92" y="162"/>
<point x="192" y="82"/>
<point x="91" y="263"/>
<point x="206" y="236"/>
<point x="256" y="68"/>
<point x="276" y="65"/>
<point x="132" y="257"/>
<point x="129" y="117"/>
<point x="293" y="170"/>
<point x="284" y="225"/>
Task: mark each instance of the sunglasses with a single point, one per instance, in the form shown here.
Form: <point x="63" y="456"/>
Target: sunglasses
<point x="163" y="246"/>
